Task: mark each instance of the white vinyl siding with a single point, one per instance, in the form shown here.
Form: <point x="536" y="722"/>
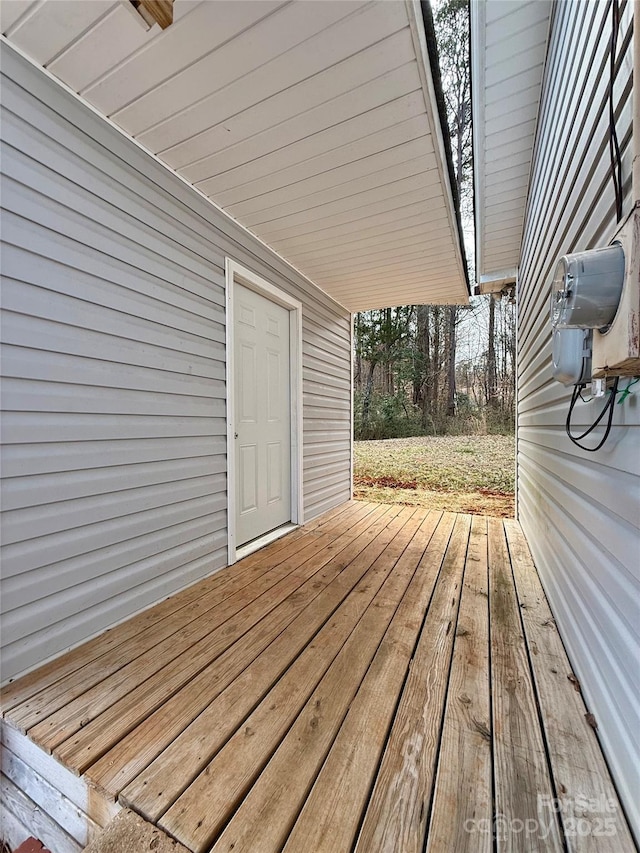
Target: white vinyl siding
<point x="113" y="362"/>
<point x="580" y="510"/>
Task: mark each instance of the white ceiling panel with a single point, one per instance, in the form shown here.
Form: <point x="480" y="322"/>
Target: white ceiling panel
<point x="314" y="124"/>
<point x="508" y="46"/>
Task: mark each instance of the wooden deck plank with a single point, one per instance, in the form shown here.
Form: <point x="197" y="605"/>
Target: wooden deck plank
<point x="586" y="799"/>
<point x="352" y="690"/>
<point x="197" y="636"/>
<point x="165" y="778"/>
<point x="462" y="805"/>
<point x="331" y="815"/>
<point x="397" y="814"/>
<point x="247" y="752"/>
<point x="522" y="781"/>
<point x="154" y="791"/>
<point x="111" y="675"/>
<point x="243" y="581"/>
<point x="262" y="620"/>
<point x="29" y="686"/>
<point x="133" y="752"/>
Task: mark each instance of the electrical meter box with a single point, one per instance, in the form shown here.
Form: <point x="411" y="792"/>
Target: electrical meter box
<point x="586" y="288"/>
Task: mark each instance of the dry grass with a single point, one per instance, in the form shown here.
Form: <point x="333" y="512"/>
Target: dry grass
<point x="458" y="473"/>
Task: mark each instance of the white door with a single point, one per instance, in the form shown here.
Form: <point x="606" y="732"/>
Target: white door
<point x="262" y="414"/>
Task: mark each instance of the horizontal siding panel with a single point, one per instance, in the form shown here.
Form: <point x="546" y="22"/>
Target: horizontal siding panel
<point x="586" y="478"/>
<point x="27" y="460"/>
<point x="192" y="538"/>
<point x="37" y="396"/>
<point x="57" y="337"/>
<point x="156" y="305"/>
<point x="599" y="522"/>
<point x="82" y="595"/>
<point x="83" y="539"/>
<point x="65" y="515"/>
<point x="326" y="499"/>
<point x="615" y="456"/>
<point x="32" y="491"/>
<point x="596" y="647"/>
<point x="19" y="362"/>
<point x="130" y="166"/>
<point x="114" y="429"/>
<point x="89" y="216"/>
<point x="579" y="510"/>
<point x="142" y="282"/>
<point x="29" y="427"/>
<point x="74" y="312"/>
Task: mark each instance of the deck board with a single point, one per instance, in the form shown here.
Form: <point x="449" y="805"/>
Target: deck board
<point x="384" y="678"/>
<point x="521" y="773"/>
<point x="585" y="795"/>
<point x="463" y="787"/>
<point x="398" y="811"/>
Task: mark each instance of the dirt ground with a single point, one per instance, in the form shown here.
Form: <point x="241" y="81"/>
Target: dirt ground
<point x="470" y="473"/>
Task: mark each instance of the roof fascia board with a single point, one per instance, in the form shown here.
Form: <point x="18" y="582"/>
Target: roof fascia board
<point x="416" y="25"/>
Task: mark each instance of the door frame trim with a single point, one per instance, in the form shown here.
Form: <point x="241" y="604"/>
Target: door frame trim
<point x="235" y="272"/>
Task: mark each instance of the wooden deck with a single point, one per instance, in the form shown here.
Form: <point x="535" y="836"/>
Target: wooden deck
<point x="386" y="678"/>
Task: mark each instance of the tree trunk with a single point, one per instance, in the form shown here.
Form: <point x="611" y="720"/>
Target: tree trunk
<point x="451" y="362"/>
<point x="425" y="349"/>
<point x="492" y="379"/>
<point x="436" y="361"/>
<point x="366" y="399"/>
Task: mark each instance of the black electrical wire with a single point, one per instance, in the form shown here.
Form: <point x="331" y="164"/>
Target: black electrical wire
<point x="614" y="146"/>
<point x="608" y="407"/>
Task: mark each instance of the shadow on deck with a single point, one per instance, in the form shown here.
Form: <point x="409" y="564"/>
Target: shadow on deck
<point x="385" y="678"/>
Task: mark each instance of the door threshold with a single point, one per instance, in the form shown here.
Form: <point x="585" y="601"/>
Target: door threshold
<point x="265" y="540"/>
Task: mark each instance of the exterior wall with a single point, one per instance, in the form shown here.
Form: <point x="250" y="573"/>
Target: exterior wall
<point x="114" y="433"/>
<point x="580" y="510"/>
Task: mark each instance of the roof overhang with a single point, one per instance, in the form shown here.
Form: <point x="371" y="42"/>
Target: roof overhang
<point x="508" y="50"/>
<point x="313" y="124"/>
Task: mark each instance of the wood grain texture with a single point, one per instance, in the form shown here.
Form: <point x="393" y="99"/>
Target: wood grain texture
<point x="587" y="802"/>
<point x="522" y="778"/>
<point x="397" y="814"/>
<point x="331" y="814"/>
<point x="270" y="613"/>
<point x="183" y="725"/>
<point x="40" y="824"/>
<point x="461" y="810"/>
<point x="234" y="769"/>
<point x="379" y="702"/>
<point x="29" y="686"/>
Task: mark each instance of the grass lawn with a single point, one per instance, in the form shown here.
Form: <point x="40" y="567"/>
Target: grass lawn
<point x="468" y="473"/>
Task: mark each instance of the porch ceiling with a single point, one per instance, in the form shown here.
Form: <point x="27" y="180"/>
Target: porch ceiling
<point x="508" y="46"/>
<point x="313" y="124"/>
